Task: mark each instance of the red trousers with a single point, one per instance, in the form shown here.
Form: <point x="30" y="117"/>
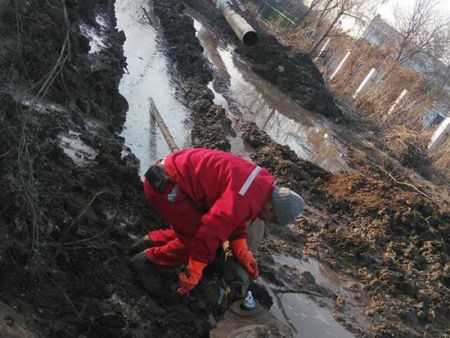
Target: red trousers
<point x="169" y="249"/>
<point x="172" y="248"/>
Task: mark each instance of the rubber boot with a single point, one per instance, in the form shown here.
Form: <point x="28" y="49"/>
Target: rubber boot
<point x="140" y="245"/>
<point x="149" y="274"/>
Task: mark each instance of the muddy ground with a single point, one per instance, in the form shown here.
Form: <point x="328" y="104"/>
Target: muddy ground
<point x="392" y="241"/>
<point x="66" y="221"/>
<point x="389" y="237"/>
<point x="68" y="215"/>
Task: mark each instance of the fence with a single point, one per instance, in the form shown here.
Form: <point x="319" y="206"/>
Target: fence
<point x="274" y="17"/>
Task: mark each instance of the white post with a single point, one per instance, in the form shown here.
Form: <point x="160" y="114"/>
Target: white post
<point x="340" y="65"/>
<point x="440" y="134"/>
<point x="367" y="82"/>
<point x="397" y="101"/>
<point x="322" y="49"/>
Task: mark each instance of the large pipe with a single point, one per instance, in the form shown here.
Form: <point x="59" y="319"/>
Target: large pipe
<point x="240" y="26"/>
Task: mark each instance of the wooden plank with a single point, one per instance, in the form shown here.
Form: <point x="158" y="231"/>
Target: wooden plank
<point x="162" y="126"/>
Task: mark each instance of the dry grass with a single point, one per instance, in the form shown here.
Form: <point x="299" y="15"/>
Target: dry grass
<point x="441" y="157"/>
<point x="400" y="137"/>
<point x="401" y="130"/>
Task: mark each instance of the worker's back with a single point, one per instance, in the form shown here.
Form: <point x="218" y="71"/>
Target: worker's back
<point x="229" y="190"/>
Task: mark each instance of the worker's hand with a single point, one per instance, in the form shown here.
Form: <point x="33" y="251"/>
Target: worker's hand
<point x="190" y="278"/>
<point x="245" y="256"/>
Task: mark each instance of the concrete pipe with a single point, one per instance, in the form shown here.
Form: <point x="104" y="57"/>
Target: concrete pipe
<point x="240" y="26"/>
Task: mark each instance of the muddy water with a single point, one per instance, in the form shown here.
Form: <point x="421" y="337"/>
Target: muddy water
<point x="340" y="286"/>
<point x="147" y="76"/>
<point x="323" y="276"/>
<point x="274" y="112"/>
<point x="313" y="317"/>
<point x="306" y="318"/>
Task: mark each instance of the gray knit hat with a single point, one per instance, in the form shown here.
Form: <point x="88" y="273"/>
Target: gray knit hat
<point x="287" y="205"/>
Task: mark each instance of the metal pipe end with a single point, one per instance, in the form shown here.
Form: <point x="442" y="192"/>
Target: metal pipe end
<point x="250" y="38"/>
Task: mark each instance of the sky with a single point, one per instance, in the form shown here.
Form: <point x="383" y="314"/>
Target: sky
<point x="387" y="13"/>
<point x="387" y="10"/>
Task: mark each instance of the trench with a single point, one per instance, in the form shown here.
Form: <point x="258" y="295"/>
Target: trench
<point x="147" y="75"/>
<point x="249" y="97"/>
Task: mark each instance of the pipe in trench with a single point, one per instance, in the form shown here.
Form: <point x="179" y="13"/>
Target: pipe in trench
<point x="240" y="26"/>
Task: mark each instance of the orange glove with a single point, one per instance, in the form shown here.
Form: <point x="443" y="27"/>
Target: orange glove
<point x="190" y="278"/>
<point x="245" y="256"/>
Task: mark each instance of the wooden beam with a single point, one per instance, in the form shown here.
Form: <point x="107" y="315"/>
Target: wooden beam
<point x="162" y="126"/>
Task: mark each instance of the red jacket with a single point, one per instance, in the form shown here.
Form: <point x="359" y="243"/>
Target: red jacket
<point x="228" y="190"/>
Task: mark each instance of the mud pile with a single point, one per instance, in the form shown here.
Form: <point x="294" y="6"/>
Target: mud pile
<point x="393" y="242"/>
<point x="396" y="243"/>
<point x="71" y="197"/>
<point x="210" y="125"/>
<point x="290" y="71"/>
<point x="281" y="161"/>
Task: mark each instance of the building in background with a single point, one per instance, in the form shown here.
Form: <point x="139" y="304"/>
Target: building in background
<point x="378" y="32"/>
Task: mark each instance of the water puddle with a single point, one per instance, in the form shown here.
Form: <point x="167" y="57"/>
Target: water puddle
<point x="147" y="76"/>
<point x="96" y="40"/>
<point x="274" y="112"/>
<point x="80" y="153"/>
<point x="314" y="318"/>
<point x="305" y="317"/>
<point x="323" y="276"/>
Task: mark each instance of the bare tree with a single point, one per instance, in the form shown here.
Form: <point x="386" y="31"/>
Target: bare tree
<point x="328" y="7"/>
<point x="423" y="29"/>
<point x="313" y="4"/>
<point x="357" y="9"/>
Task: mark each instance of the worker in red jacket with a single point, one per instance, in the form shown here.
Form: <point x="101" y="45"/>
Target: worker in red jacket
<point x="208" y="197"/>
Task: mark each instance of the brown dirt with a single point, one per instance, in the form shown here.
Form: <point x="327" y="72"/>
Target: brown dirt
<point x="392" y="240"/>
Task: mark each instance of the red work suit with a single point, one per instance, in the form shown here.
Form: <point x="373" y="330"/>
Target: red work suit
<point x="213" y="195"/>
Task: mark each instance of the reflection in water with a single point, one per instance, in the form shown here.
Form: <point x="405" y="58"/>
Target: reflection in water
<point x="274" y="112"/>
<point x="323" y="276"/>
<point x="147" y="76"/>
<point x="304" y="316"/>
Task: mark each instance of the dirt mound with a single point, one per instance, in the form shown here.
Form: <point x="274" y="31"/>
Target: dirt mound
<point x="281" y="161"/>
<point x="391" y="239"/>
<point x="72" y="196"/>
<point x="400" y="242"/>
<point x="293" y="73"/>
<point x="210" y="124"/>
